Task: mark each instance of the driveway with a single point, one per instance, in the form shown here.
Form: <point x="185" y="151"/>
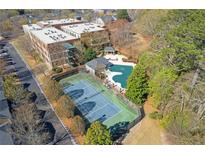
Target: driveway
<point x="25" y="75"/>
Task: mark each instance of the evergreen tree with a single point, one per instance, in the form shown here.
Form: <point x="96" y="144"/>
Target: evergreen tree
<point x="98" y="134"/>
<point x="137" y="86"/>
<point x="122" y="14"/>
<point x="89" y="54"/>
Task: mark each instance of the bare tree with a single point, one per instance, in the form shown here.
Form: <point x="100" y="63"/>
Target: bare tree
<point x="188" y="104"/>
<point x="78" y="125"/>
<point x="65" y="107"/>
<point x="2" y="66"/>
<point x="27" y="127"/>
<point x="53" y="90"/>
<point x="25" y="43"/>
<point x="122" y="36"/>
<point x="40" y="69"/>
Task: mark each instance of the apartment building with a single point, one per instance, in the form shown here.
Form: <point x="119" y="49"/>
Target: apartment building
<point x="90" y="34"/>
<point x="58" y="23"/>
<point x="49" y="43"/>
<point x="49" y="38"/>
<point x="31" y="27"/>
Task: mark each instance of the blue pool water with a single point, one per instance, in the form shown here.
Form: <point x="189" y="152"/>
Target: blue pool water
<point x="125" y="70"/>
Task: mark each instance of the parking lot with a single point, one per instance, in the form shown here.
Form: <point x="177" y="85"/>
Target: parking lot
<point x="15" y="65"/>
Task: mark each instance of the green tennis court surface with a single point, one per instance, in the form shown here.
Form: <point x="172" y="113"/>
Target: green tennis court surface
<point x="95" y="101"/>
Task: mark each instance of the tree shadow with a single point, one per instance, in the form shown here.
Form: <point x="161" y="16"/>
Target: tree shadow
<point x="41" y="113"/>
<point x="26" y="85"/>
<point x="49" y="130"/>
<point x="118" y="130"/>
<point x="86" y="107"/>
<point x="74" y="94"/>
<point x="24" y="73"/>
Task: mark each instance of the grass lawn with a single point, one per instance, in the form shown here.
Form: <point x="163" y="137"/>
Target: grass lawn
<point x="148" y="131"/>
<point x="33" y="64"/>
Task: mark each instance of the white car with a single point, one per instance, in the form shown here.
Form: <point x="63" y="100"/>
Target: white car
<point x="3" y="54"/>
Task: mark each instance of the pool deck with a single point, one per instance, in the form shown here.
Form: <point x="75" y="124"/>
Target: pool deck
<point x="116" y="60"/>
<point x="110" y="75"/>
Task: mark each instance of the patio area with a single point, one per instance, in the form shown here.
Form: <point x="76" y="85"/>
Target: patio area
<point x="117" y="59"/>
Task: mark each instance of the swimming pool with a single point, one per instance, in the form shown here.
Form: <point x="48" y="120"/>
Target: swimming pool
<point x="123" y="73"/>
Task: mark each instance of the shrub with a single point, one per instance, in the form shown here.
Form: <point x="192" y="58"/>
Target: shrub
<point x="53" y="90"/>
<point x="155" y="115"/>
<point x="65" y="107"/>
<point x="78" y="125"/>
<point x="89" y="54"/>
<point x="57" y="69"/>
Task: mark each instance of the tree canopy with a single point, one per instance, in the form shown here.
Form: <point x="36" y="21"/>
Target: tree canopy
<point x="98" y="134"/>
<point x="137" y="86"/>
<point x="65" y="107"/>
<point x="89" y="54"/>
<point x="175" y="74"/>
<point x="53" y="90"/>
<point x="123" y="14"/>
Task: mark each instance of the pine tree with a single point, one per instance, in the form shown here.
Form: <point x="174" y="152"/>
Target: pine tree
<point x="98" y="134"/>
<point x="137" y="87"/>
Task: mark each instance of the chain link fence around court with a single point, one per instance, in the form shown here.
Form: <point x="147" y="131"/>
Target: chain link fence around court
<point x="130" y="104"/>
<point x="124" y="100"/>
<point x="81" y="69"/>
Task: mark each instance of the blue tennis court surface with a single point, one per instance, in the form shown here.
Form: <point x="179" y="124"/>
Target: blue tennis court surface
<point x="91" y="103"/>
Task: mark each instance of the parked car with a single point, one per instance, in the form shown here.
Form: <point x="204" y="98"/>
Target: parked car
<point x="3" y="54"/>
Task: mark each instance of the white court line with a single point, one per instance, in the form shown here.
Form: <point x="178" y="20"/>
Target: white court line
<point x="89" y="86"/>
<point x="113" y="116"/>
<point x="98" y="109"/>
<point x="106" y="101"/>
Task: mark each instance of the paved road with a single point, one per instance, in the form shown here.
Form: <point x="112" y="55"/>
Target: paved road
<point x="26" y="77"/>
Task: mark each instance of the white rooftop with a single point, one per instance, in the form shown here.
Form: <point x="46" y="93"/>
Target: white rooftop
<point x="52" y="35"/>
<point x="32" y="27"/>
<point x="60" y="21"/>
<point x="83" y="28"/>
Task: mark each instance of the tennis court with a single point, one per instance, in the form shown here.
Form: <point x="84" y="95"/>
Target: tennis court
<point x="92" y="104"/>
<point x="95" y="101"/>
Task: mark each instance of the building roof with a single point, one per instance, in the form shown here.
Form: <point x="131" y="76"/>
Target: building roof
<point x="83" y="28"/>
<point x="58" y="22"/>
<point x="30" y="27"/>
<point x="52" y="35"/>
<point x="109" y="49"/>
<point x="95" y="63"/>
